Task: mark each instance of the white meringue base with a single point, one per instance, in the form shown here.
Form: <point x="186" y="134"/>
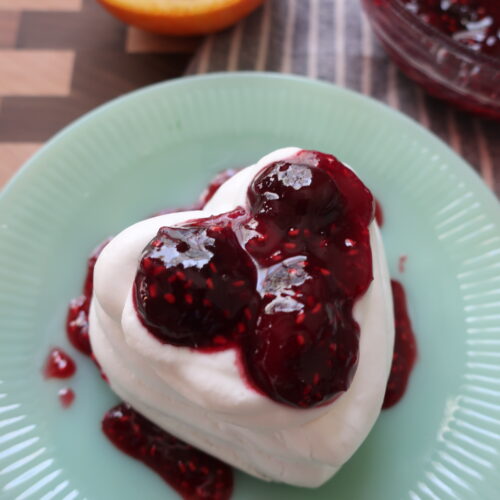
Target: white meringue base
<point x="202" y="398"/>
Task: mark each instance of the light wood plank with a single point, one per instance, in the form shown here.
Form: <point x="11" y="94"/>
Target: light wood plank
<point x="36" y="72"/>
<point x="61" y="5"/>
<point x="9" y="25"/>
<point x="12" y="157"/>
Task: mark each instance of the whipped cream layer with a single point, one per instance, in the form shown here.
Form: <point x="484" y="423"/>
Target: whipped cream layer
<point x="203" y="399"/>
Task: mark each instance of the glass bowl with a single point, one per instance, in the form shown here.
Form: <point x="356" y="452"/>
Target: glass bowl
<point x="444" y="67"/>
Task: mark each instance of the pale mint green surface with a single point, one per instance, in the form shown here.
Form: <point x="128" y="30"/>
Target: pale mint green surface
<point x="158" y="147"/>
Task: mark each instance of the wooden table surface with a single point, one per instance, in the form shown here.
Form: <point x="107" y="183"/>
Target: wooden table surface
<point x="62" y="58"/>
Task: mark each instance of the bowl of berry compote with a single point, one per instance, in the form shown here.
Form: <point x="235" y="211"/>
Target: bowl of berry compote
<point x="450" y="47"/>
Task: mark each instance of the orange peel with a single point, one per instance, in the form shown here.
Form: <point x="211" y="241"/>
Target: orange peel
<point x="181" y="17"/>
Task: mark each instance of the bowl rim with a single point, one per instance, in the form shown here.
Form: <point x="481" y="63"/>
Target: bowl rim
<point x="415" y="21"/>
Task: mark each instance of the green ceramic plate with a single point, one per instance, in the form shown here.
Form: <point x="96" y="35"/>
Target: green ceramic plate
<point x="158" y="147"/>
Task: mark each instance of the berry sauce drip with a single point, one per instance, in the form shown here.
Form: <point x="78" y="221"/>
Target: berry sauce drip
<point x="405" y="344"/>
<point x="402" y="263"/>
<point x="379" y="213"/>
<point x="77" y="320"/>
<point x="405" y="348"/>
<point x="196" y="286"/>
<point x="305" y="233"/>
<point x="59" y="364"/>
<point x="66" y="397"/>
<point x="192" y="473"/>
<point x="474" y="23"/>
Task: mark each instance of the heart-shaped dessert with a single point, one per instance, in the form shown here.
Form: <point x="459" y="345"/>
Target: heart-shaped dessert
<point x="259" y="328"/>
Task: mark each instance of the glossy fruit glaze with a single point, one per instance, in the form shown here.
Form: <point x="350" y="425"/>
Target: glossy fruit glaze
<point x="192" y="473"/>
<point x="305" y="232"/>
<point x="405" y="348"/>
<point x="59" y="364"/>
<point x="473" y="23"/>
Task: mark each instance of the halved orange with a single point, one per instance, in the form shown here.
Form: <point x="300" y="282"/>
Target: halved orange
<point x="181" y="17"/>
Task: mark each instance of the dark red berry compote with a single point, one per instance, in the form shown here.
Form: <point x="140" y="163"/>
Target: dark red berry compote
<point x="196" y="286"/>
<point x="450" y="47"/>
<point x="405" y="348"/>
<point x="59" y="364"/>
<point x="192" y="473"/>
<point x="304" y="231"/>
<point x="473" y="23"/>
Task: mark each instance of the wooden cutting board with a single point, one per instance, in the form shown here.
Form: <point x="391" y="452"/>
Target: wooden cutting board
<point x="62" y="58"/>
